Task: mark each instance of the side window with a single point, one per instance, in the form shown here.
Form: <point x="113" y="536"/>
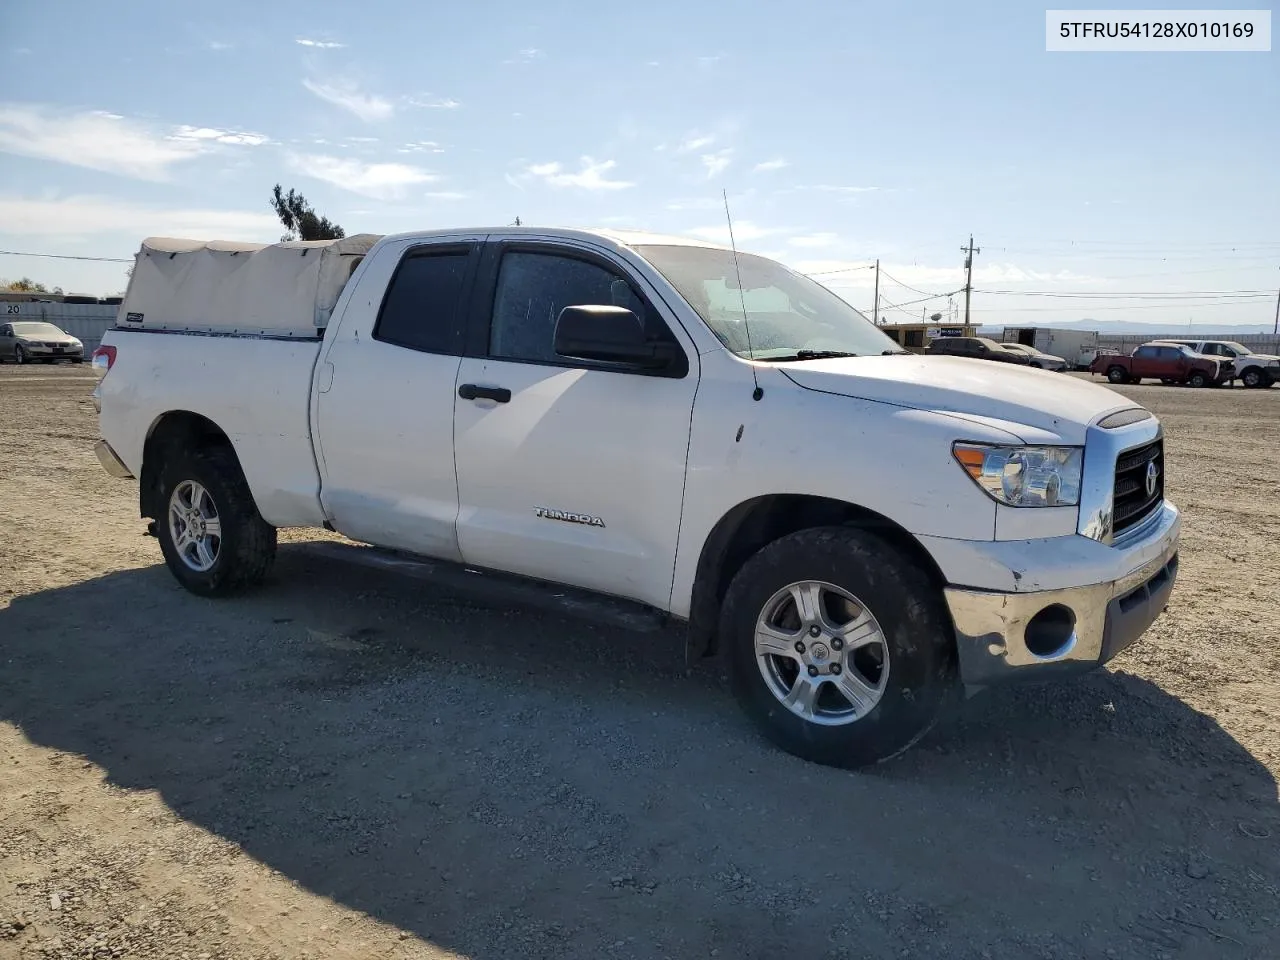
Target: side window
<point x="1147" y="353"/>
<point x="423" y="306"/>
<point x="532" y="290"/>
<point x="6" y="331"/>
<point x="1170" y="353"/>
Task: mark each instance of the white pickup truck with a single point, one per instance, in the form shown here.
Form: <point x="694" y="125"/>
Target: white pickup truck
<point x="654" y="423"/>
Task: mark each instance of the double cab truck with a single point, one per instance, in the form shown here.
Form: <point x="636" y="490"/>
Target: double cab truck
<point x="1166" y="361"/>
<point x="1255" y="370"/>
<point x="655" y="425"/>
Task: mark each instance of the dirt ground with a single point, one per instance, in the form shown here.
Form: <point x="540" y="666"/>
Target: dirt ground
<point x="348" y="765"/>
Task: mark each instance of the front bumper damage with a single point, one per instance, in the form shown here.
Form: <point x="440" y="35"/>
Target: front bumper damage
<point x="1039" y="634"/>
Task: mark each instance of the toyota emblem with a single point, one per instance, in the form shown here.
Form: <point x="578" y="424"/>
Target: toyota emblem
<point x="1153" y="478"/>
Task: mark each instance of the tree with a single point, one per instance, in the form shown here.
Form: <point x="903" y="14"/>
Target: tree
<point x="300" y="220"/>
<point x="26" y="285"/>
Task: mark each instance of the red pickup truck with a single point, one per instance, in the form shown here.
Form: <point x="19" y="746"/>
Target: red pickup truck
<point x="1164" y="361"/>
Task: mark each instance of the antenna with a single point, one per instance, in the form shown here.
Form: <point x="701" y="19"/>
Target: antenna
<point x="757" y="393"/>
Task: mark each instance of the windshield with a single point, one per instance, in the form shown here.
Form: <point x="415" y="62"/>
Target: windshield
<point x="1240" y="349"/>
<point x="34" y="328"/>
<point x="789" y="316"/>
<point x="1017" y="348"/>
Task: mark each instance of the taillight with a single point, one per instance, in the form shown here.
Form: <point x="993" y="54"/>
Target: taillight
<point x="103" y="358"/>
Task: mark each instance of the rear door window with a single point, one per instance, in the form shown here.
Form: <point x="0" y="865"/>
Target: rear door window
<point x="423" y="308"/>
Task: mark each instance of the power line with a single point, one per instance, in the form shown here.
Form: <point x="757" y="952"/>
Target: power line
<point x="64" y="256"/>
<point x="1119" y="295"/>
<point x="827" y="273"/>
<point x="907" y="285"/>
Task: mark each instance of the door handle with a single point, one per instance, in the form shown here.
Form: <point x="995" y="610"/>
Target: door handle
<point x="473" y="391"/>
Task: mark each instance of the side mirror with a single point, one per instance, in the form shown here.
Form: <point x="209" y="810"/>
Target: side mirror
<point x="608" y="334"/>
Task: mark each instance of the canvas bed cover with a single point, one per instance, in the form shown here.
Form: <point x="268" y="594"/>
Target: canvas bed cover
<point x="280" y="289"/>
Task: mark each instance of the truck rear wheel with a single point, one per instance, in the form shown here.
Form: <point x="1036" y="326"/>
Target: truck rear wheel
<point x="213" y="539"/>
<point x="1117" y="374"/>
<point x="839" y="648"/>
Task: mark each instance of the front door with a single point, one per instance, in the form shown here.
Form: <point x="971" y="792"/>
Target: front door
<point x="384" y="400"/>
<point x="568" y="470"/>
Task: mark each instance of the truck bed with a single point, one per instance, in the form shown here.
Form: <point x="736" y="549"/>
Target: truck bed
<point x="257" y="389"/>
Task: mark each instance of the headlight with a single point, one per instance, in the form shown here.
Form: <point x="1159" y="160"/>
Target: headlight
<point x="1024" y="476"/>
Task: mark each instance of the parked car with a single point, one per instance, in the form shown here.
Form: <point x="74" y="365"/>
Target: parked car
<point x="980" y="348"/>
<point x="1257" y="370"/>
<point x="24" y="341"/>
<point x="651" y="427"/>
<point x="1167" y="362"/>
<point x="1038" y="358"/>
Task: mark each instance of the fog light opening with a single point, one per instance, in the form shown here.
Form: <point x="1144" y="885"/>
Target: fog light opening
<point x="1051" y="632"/>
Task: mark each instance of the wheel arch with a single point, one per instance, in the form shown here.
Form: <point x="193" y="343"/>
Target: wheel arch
<point x="754" y="523"/>
<point x="181" y="429"/>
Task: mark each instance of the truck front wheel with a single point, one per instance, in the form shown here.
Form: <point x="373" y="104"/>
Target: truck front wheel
<point x="213" y="539"/>
<point x="1198" y="379"/>
<point x="839" y="648"/>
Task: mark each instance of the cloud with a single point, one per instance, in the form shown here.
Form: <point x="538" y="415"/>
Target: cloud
<point x="770" y="165"/>
<point x="814" y="240"/>
<point x="347" y="96"/>
<point x="591" y="176"/>
<point x="96" y="140"/>
<point x="694" y="142"/>
<point x="82" y="216"/>
<point x="717" y="163"/>
<point x="447" y="195"/>
<point x="527" y="55"/>
<point x="434" y="103"/>
<point x="381" y="181"/>
<point x="744" y="231"/>
<point x="319" y="44"/>
<point x="217" y="46"/>
<point x="187" y="134"/>
<point x="421" y="146"/>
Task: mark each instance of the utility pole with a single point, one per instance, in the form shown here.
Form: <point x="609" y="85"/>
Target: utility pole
<point x="968" y="274"/>
<point x="1275" y="327"/>
<point x="875" y="309"/>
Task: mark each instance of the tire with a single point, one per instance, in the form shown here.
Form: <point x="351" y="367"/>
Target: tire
<point x="1254" y="378"/>
<point x="19" y="354"/>
<point x="77" y="359"/>
<point x="1117" y="374"/>
<point x="244" y="552"/>
<point x="1198" y="379"/>
<point x="1037" y="364"/>
<point x="910" y="626"/>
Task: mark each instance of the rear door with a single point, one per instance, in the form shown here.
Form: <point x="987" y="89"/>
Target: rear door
<point x="568" y="470"/>
<point x="384" y="399"/>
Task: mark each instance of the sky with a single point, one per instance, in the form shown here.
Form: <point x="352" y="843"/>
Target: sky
<point x="1118" y="186"/>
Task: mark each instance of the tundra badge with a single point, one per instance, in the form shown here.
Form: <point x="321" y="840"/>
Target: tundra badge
<point x="549" y="514"/>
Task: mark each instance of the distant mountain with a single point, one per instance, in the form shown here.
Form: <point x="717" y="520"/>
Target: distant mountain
<point x="1208" y="330"/>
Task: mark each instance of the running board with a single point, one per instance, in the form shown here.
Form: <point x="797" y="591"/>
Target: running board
<point x="494" y="588"/>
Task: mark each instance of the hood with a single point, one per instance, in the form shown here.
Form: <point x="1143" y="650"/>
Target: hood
<point x="997" y="393"/>
<point x="1264" y="357"/>
<point x="41" y="338"/>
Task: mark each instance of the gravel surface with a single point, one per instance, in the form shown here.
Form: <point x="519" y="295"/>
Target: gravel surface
<point x="346" y="764"/>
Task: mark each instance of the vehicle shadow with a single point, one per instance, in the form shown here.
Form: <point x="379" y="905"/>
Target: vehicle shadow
<point x="505" y="784"/>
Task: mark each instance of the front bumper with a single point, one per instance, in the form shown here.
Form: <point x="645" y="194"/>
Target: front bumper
<point x="46" y="352"/>
<point x="1038" y="634"/>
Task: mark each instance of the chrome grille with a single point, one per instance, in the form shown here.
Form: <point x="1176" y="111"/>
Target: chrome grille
<point x="1132" y="502"/>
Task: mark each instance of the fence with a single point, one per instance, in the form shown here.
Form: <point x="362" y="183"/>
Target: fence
<point x="1126" y="342"/>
